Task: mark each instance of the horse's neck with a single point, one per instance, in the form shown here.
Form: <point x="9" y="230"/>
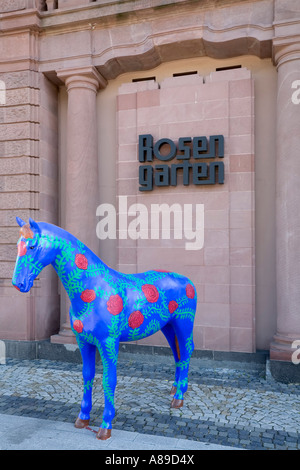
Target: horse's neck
<point x="66" y="246"/>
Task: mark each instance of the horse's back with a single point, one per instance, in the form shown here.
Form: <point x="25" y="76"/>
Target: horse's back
<point x="161" y="297"/>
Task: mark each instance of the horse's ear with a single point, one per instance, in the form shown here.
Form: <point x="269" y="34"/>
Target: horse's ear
<point x="20" y="222"/>
<point x="34" y="225"/>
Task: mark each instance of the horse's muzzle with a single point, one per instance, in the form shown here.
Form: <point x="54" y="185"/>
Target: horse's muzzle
<point x="22" y="286"/>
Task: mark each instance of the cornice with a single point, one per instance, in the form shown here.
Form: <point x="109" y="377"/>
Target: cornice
<point x="116" y="12"/>
<point x="20" y="20"/>
<point x="122" y="40"/>
<point x="286" y="49"/>
<point x="145" y="33"/>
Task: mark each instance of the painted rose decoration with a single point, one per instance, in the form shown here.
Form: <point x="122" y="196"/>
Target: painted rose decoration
<point x="172" y="306"/>
<point x="115" y="304"/>
<point x="81" y="261"/>
<point x="88" y="295"/>
<point x="151" y="293"/>
<point x="190" y="291"/>
<point x="78" y="326"/>
<point x="135" y="319"/>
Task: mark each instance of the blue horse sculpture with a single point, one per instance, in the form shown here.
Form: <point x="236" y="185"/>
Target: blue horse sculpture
<point x="108" y="307"/>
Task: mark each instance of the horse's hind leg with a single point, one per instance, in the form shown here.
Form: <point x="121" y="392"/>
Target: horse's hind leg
<point x="169" y="333"/>
<point x="184" y="333"/>
<point x="88" y="352"/>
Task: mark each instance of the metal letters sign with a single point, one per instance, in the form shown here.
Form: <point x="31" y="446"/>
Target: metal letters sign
<point x="198" y="148"/>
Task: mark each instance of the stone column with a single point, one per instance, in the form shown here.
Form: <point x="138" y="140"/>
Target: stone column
<point x="82" y="195"/>
<point x="287" y="59"/>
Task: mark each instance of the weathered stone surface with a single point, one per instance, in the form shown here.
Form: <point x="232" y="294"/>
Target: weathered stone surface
<point x="20" y="79"/>
<point x="18" y="96"/>
<point x="15" y="131"/>
<point x="8" y="5"/>
<point x="15" y="183"/>
<point x="18" y="165"/>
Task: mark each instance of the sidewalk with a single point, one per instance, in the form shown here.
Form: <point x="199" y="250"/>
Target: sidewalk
<point x="228" y="405"/>
<point x="20" y="433"/>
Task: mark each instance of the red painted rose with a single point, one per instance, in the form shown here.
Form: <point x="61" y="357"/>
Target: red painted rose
<point x="81" y="261"/>
<point x="78" y="326"/>
<point x="190" y="291"/>
<point x="172" y="306"/>
<point x="151" y="293"/>
<point x="88" y="295"/>
<point x="22" y="248"/>
<point x="135" y="319"/>
<point x="115" y="304"/>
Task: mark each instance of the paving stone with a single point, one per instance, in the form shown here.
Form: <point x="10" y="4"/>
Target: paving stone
<point x="224" y="404"/>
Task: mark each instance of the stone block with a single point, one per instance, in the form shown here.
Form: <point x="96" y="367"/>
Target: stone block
<point x="229" y="75"/>
<point x="241" y="294"/>
<point x="239" y="144"/>
<point x="72" y="3"/>
<point x="7" y="6"/>
<point x="241" y="163"/>
<point x="286" y="9"/>
<point x="15" y="131"/>
<point x="216" y="293"/>
<point x="182" y="80"/>
<point x="241" y="219"/>
<point x="241" y="125"/>
<point x="127" y="117"/>
<point x="241" y="339"/>
<point x="6" y="269"/>
<point x="8" y="218"/>
<point x="21" y="350"/>
<point x="216" y="256"/>
<point x="126" y="101"/>
<point x="241" y="315"/>
<point x="241" y="256"/>
<point x="8" y="252"/>
<point x="241" y="106"/>
<point x="216" y="338"/>
<point x="20" y="114"/>
<point x="185" y="95"/>
<point x="20" y="79"/>
<point x="19" y="96"/>
<point x="128" y="153"/>
<point x="15" y="183"/>
<point x="13" y="166"/>
<point x="148" y="98"/>
<point x="25" y="200"/>
<point x="285" y="371"/>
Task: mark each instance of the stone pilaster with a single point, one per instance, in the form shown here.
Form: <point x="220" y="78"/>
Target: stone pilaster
<point x="287" y="60"/>
<point x="81" y="185"/>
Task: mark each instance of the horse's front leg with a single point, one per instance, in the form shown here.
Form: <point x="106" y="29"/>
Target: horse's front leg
<point x="108" y="349"/>
<point x="88" y="352"/>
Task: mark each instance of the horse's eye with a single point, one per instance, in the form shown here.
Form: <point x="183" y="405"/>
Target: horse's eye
<point x="32" y="247"/>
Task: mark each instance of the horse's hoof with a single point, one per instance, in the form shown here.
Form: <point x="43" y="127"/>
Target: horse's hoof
<point x="176" y="403"/>
<point x="103" y="434"/>
<point x="81" y="423"/>
<point x="173" y="390"/>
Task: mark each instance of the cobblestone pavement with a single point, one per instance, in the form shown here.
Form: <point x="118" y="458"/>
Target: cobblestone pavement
<point x="229" y="404"/>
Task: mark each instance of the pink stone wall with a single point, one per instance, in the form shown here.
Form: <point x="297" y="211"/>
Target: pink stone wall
<point x="29" y="188"/>
<point x="223" y="270"/>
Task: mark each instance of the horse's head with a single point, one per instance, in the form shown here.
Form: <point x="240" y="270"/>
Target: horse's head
<point x="32" y="256"/>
